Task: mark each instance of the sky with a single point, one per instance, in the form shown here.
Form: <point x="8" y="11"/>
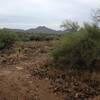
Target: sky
<point x="24" y="14"/>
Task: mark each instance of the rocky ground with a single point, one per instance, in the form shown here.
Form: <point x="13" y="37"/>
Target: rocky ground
<point x="27" y="73"/>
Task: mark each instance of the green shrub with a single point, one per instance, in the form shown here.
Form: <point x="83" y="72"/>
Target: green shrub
<point x="36" y="38"/>
<point x="42" y="37"/>
<point x="7" y="39"/>
<point x="80" y="49"/>
<point x="23" y="36"/>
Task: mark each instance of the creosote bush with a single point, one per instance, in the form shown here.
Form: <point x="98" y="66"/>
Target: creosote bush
<point x="43" y="36"/>
<point x="80" y="50"/>
<point x="7" y="39"/>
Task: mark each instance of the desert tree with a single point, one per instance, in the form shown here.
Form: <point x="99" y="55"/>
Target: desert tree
<point x="70" y="26"/>
<point x="96" y="16"/>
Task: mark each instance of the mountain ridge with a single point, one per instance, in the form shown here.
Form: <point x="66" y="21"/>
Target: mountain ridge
<point x="39" y="29"/>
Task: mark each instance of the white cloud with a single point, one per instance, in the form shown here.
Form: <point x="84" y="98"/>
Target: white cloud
<point x="44" y="12"/>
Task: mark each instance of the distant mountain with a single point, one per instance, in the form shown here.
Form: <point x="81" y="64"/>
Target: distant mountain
<point x="39" y="29"/>
<point x="42" y="29"/>
<point x="14" y="30"/>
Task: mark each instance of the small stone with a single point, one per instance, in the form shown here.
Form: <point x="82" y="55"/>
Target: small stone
<point x="46" y="78"/>
<point x="19" y="68"/>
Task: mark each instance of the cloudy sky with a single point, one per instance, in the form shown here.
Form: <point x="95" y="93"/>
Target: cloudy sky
<point x="26" y="14"/>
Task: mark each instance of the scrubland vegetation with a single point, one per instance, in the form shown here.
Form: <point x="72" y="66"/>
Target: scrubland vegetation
<point x="79" y="49"/>
<point x="7" y="39"/>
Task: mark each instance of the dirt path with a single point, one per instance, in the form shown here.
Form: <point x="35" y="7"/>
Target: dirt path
<point x="19" y="84"/>
<point x="16" y="82"/>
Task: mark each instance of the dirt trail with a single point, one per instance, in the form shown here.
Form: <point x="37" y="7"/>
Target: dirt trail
<point x="16" y="82"/>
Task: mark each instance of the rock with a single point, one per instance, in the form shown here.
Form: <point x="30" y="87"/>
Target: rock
<point x="76" y="83"/>
<point x="46" y="78"/>
<point x="19" y="68"/>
